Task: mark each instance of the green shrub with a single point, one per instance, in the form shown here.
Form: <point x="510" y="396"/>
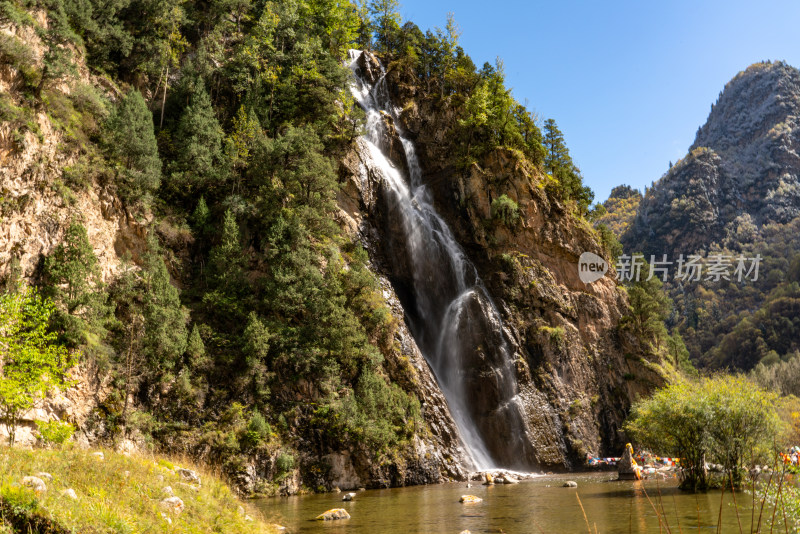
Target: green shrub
<point x="18" y="500"/>
<point x="505" y="210"/>
<point x="55" y="432"/>
<point x="726" y="419"/>
<point x="258" y="430"/>
<point x="284" y="462"/>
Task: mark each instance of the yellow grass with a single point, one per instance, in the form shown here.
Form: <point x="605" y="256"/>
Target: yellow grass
<point x="120" y="494"/>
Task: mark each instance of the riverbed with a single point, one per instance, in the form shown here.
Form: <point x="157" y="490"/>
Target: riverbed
<point x="532" y="506"/>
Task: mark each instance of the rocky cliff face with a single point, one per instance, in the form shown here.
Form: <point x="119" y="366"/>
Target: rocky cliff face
<point x="744" y="161"/>
<point x="571" y="360"/>
<point x="35" y="204"/>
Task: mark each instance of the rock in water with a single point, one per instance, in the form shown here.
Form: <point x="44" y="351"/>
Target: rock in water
<point x="333" y="514"/>
<point x="627" y="467"/>
<point x="469" y="499"/>
<point x="508" y="479"/>
<point x="349" y="496"/>
<point x="489" y="479"/>
<point x="570" y="484"/>
<point x="35" y="483"/>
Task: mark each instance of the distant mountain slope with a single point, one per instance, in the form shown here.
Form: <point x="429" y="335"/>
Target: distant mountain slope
<point x="736" y="193"/>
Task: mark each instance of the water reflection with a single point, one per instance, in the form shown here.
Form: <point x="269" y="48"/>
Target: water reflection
<point x="539" y="505"/>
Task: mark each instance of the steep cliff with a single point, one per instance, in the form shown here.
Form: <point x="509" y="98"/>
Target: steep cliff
<point x="576" y="371"/>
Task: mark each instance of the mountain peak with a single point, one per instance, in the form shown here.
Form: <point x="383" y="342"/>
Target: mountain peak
<point x="756" y="100"/>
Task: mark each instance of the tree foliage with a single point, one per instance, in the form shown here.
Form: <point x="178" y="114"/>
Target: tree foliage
<point x="724" y="419"/>
<point x="32" y="362"/>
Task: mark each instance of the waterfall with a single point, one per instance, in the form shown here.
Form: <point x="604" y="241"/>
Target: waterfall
<point x="450" y="313"/>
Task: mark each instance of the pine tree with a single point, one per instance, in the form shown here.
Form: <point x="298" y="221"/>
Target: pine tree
<point x="387" y="22"/>
<point x="133" y="142"/>
<point x="557" y="156"/>
<point x="200" y="162"/>
<point x="164" y="328"/>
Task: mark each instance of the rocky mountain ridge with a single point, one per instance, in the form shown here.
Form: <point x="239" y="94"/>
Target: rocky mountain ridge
<point x="743" y="165"/>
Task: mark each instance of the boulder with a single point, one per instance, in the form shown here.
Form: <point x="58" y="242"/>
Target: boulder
<point x="172" y="504"/>
<point x="470" y="499"/>
<point x="333" y="514"/>
<point x="189" y="486"/>
<point x="570" y="484"/>
<point x="349" y="496"/>
<point x="69" y="492"/>
<point x="488" y="479"/>
<point x="508" y="479"/>
<point x="189" y="476"/>
<point x="45" y="476"/>
<point x="34" y="483"/>
<point x="167" y="490"/>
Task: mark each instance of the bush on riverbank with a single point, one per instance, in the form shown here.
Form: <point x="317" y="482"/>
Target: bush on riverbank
<point x="725" y="419"/>
<point x="112" y="493"/>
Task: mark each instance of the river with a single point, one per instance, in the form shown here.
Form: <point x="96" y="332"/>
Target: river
<point x="537" y="505"/>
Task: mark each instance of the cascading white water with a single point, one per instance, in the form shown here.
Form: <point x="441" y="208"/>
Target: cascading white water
<point x="454" y="320"/>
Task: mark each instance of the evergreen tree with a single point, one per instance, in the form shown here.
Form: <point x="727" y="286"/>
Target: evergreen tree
<point x="132" y="142"/>
<point x="387" y="22"/>
<point x="649" y="308"/>
<point x="200" y="163"/>
<point x="164" y="318"/>
<point x="73" y="280"/>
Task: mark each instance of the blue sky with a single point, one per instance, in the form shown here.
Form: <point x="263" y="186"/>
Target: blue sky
<point x="628" y="83"/>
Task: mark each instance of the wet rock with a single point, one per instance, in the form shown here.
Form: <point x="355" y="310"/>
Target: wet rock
<point x="508" y="479"/>
<point x="570" y="484"/>
<point x="349" y="496"/>
<point x="470" y="499"/>
<point x="35" y="483"/>
<point x="333" y="515"/>
<point x="488" y="479"/>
